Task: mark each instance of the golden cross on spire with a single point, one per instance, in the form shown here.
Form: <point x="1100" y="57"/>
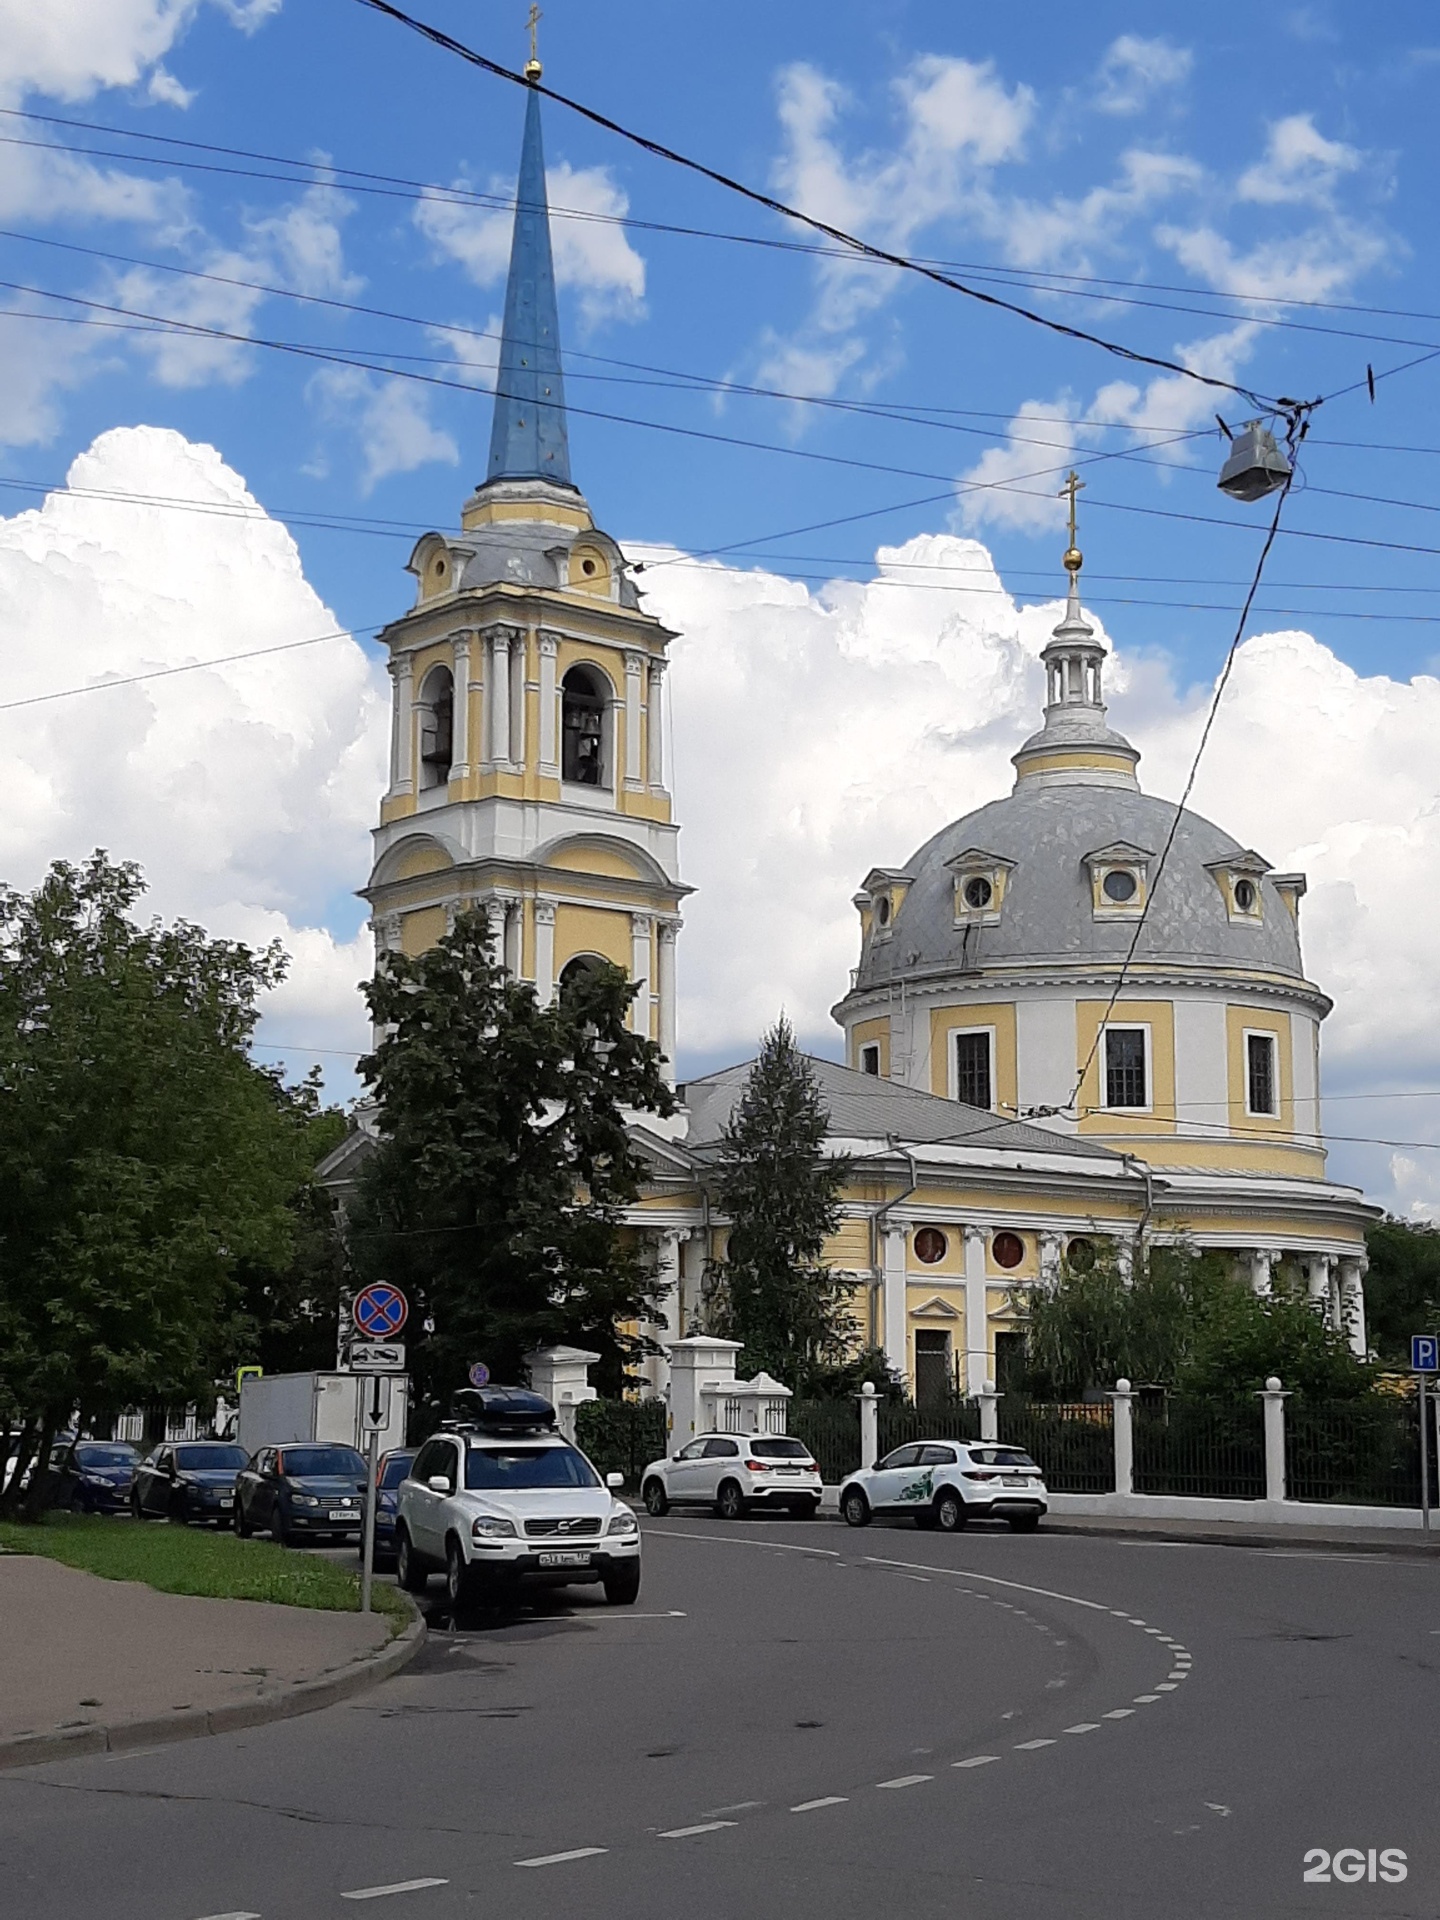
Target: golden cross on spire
<point x="533" y="68"/>
<point x="1073" y="485"/>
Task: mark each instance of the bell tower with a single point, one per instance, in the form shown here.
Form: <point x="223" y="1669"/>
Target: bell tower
<point x="527" y="745"/>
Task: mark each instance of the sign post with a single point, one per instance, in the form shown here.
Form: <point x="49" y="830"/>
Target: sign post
<point x="378" y="1313"/>
<point x="374" y="1418"/>
<point x="1424" y="1360"/>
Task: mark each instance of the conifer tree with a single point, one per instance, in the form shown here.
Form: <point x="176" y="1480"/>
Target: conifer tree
<point x="780" y="1191"/>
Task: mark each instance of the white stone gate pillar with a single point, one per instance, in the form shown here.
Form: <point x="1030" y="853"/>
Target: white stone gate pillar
<point x="989" y="1411"/>
<point x="1123" y="1401"/>
<point x="696" y="1364"/>
<point x="1274" y="1404"/>
<point x="869" y="1425"/>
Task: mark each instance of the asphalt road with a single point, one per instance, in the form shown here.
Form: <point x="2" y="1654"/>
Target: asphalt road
<point x="801" y="1720"/>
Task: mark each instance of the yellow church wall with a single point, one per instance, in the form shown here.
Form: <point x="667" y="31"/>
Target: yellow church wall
<point x="867" y="1033"/>
<point x="594" y="860"/>
<point x="951" y="1262"/>
<point x="999" y="1017"/>
<point x="421" y="860"/>
<point x="1159" y="1016"/>
<point x="849" y="1245"/>
<point x="422" y="930"/>
<point x="1238" y="1022"/>
<point x="591" y="930"/>
<point x="1233" y="1156"/>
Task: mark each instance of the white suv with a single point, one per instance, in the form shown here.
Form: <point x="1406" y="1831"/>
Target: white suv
<point x="494" y="1507"/>
<point x="945" y="1483"/>
<point x="735" y="1472"/>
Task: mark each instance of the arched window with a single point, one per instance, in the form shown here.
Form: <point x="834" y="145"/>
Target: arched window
<point x="437" y="727"/>
<point x="582" y="729"/>
<point x="582" y="965"/>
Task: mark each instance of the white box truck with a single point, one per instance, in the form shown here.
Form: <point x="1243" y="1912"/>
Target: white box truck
<point x="286" y="1409"/>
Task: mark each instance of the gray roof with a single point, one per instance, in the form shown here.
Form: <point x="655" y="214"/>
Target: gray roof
<point x="862" y="1107"/>
<point x="1047" y="913"/>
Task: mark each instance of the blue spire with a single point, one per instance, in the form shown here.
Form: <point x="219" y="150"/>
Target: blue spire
<point x="528" y="440"/>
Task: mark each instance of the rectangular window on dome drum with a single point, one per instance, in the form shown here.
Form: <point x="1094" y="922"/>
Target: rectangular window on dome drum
<point x="1125" y="1067"/>
<point x="972" y="1069"/>
<point x="1260" y="1073"/>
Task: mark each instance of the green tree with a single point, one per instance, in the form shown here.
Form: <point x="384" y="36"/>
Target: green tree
<point x="1182" y="1321"/>
<point x="143" y="1156"/>
<point x="496" y="1195"/>
<point x="1402" y="1288"/>
<point x="781" y="1194"/>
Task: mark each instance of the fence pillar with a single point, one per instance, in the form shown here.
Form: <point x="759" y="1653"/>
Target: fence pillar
<point x="1274" y="1401"/>
<point x="1123" y="1401"/>
<point x="869" y="1425"/>
<point x="989" y="1420"/>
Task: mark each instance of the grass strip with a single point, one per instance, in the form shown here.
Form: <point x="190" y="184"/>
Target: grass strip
<point x="195" y="1560"/>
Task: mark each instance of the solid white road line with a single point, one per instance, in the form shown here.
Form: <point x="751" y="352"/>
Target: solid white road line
<point x="1118" y="1713"/>
<point x="231" y="1916"/>
<point x="399" y="1886"/>
<point x="559" y="1859"/>
<point x="813" y="1806"/>
<point x="705" y="1826"/>
<point x="968" y="1573"/>
<point x="980" y="1760"/>
<point x="906" y="1780"/>
<point x="1085" y="1726"/>
<point x="1029" y="1746"/>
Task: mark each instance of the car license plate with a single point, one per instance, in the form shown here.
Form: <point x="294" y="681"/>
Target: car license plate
<point x="347" y="1514"/>
<point x="564" y="1559"/>
<point x="227" y="1499"/>
<point x="1014" y="1480"/>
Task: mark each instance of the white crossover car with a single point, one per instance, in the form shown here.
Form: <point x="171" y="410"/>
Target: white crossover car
<point x="735" y="1473"/>
<point x="945" y="1483"/>
<point x="499" y="1497"/>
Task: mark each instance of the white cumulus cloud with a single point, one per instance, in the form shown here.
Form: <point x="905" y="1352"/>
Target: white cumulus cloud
<point x="1135" y="69"/>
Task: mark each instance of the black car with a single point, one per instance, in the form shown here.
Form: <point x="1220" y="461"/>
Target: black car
<point x="392" y="1469"/>
<point x="302" y="1493"/>
<point x="187" y="1481"/>
<point x="94" y="1476"/>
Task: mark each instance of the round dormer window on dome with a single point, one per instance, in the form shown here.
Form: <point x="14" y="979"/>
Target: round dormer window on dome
<point x="978" y="893"/>
<point x="1246" y="896"/>
<point x="1119" y="885"/>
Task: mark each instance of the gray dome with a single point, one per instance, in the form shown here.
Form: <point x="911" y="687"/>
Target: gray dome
<point x="1047" y="914"/>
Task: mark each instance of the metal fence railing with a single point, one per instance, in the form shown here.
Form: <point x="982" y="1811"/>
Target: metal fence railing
<point x="622" y="1436"/>
<point x="944" y="1420"/>
<point x="1212" y="1448"/>
<point x="1073" y="1445"/>
<point x="831" y="1430"/>
<point x="1363" y="1452"/>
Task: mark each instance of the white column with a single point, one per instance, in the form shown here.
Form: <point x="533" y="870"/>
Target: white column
<point x="517" y="698"/>
<point x="402" y="671"/>
<point x="460" y="751"/>
<point x="1261" y="1264"/>
<point x="1352" y="1305"/>
<point x="665" y="983"/>
<point x="549" y="644"/>
<point x="1051" y="1247"/>
<point x="894" y="1318"/>
<point x="1318" y="1284"/>
<point x="869" y="1424"/>
<point x="513" y="911"/>
<point x="499" y="692"/>
<point x="493" y="909"/>
<point x="655" y="727"/>
<point x="667" y="1272"/>
<point x="640" y="927"/>
<point x="977" y="1321"/>
<point x="1125" y="1258"/>
<point x="545" y="951"/>
<point x="386" y="930"/>
<point x="634" y="685"/>
<point x="1274" y="1410"/>
<point x="1123" y="1400"/>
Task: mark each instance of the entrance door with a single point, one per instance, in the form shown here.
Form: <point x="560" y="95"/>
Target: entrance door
<point x="933" y="1380"/>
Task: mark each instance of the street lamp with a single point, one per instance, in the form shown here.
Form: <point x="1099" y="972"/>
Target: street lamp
<point x="1254" y="466"/>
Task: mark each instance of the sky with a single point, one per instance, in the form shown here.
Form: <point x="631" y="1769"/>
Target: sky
<point x="248" y="310"/>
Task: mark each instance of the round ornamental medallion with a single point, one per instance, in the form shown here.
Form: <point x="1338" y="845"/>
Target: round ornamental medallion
<point x="930" y="1245"/>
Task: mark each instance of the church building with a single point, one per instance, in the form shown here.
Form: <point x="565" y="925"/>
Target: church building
<point x="1021" y="1088"/>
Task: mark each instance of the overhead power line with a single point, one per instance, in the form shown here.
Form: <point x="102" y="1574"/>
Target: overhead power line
<point x="860" y="248"/>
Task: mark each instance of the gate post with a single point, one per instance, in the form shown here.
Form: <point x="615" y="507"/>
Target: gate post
<point x="869" y="1425"/>
<point x="1274" y="1401"/>
<point x="1123" y="1401"/>
<point x="989" y="1421"/>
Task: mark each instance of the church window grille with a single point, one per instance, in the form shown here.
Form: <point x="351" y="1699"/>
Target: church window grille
<point x="870" y="1060"/>
<point x="1260" y="1073"/>
<point x="1125" y="1075"/>
<point x="972" y="1069"/>
<point x="582" y="729"/>
<point x="978" y="893"/>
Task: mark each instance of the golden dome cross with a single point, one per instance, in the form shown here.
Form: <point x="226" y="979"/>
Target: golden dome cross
<point x="533" y="69"/>
<point x="1073" y="485"/>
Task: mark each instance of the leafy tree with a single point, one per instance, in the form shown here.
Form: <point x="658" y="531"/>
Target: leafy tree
<point x="781" y="1193"/>
<point x="1402" y="1288"/>
<point x="143" y="1156"/>
<point x="1185" y="1322"/>
<point x="496" y="1195"/>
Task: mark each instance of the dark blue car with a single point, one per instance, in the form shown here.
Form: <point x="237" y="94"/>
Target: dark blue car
<point x="95" y="1476"/>
<point x="302" y="1493"/>
<point x="393" y="1468"/>
<point x="188" y="1481"/>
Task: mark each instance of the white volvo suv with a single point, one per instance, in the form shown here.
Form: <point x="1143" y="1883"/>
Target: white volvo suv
<point x="498" y="1497"/>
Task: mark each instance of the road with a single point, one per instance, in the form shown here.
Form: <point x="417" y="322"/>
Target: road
<point x="802" y="1720"/>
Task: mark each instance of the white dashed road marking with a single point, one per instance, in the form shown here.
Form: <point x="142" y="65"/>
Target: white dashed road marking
<point x="1146" y="1699"/>
<point x="399" y="1886"/>
<point x="1119" y="1713"/>
<point x="1029" y="1746"/>
<point x="1085" y="1726"/>
<point x="1165" y="1686"/>
<point x="980" y="1760"/>
<point x="813" y="1806"/>
<point x="559" y="1859"/>
<point x="231" y="1916"/>
<point x="906" y="1780"/>
<point x="688" y="1833"/>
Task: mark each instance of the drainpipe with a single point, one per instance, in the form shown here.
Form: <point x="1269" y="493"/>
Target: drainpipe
<point x="875" y="1218"/>
<point x="1142" y="1168"/>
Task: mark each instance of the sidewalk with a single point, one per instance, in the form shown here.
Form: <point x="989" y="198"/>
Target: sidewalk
<point x="90" y="1665"/>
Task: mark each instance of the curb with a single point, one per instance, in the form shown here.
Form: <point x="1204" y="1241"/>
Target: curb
<point x="194" y="1723"/>
<point x="1290" y="1538"/>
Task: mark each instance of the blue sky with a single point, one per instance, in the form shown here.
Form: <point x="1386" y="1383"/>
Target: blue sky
<point x="1131" y="171"/>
